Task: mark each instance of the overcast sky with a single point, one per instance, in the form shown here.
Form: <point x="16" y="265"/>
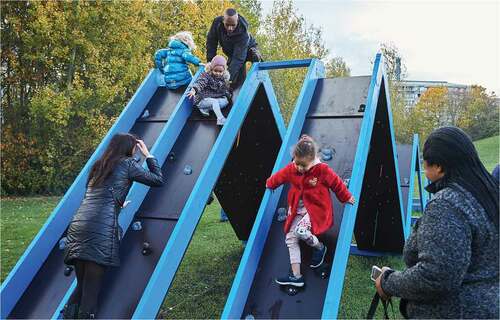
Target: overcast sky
<point x="454" y="41"/>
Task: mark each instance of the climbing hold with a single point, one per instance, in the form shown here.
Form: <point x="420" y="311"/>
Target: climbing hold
<point x="146" y="248"/>
<point x="327" y="154"/>
<point x="291" y="290"/>
<point x="136" y="226"/>
<point x="249" y="317"/>
<point x="362" y="107"/>
<point x="346" y="182"/>
<point x="171" y="156"/>
<point x="145" y="114"/>
<point x="281" y="214"/>
<point x="62" y="243"/>
<point x="406" y="180"/>
<point x="68" y="270"/>
<point x="188" y="170"/>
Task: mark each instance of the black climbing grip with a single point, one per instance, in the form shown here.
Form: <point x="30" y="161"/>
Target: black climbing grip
<point x="68" y="270"/>
<point x="146" y="248"/>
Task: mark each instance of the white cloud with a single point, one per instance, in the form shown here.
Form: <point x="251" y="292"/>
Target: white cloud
<point x="455" y="41"/>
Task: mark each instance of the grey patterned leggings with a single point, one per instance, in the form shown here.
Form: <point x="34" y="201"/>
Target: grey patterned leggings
<point x="300" y="230"/>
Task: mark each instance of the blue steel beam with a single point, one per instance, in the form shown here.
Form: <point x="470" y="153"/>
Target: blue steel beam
<point x="413" y="172"/>
<point x="37" y="252"/>
<point x="414" y="220"/>
<point x="370" y="253"/>
<point x="251" y="256"/>
<point x="171" y="257"/>
<point x="161" y="148"/>
<point x="287" y="64"/>
<point x="336" y="281"/>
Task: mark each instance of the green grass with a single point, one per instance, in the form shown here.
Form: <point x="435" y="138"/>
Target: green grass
<point x="21" y="218"/>
<point x="204" y="278"/>
<point x="359" y="289"/>
<point x="488" y="149"/>
<point x="205" y="275"/>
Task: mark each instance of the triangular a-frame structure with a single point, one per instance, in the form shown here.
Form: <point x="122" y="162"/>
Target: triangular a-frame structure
<point x="350" y="119"/>
<point x="193" y="152"/>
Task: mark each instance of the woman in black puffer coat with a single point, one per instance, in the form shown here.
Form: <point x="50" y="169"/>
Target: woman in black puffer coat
<point x="93" y="234"/>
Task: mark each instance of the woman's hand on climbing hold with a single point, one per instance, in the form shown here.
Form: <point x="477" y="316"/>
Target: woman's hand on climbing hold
<point x="191" y="93"/>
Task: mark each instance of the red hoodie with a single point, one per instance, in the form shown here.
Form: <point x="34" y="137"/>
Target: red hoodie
<point x="312" y="186"/>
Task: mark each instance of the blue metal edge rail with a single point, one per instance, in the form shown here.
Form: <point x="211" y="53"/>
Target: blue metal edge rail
<point x="40" y="247"/>
<point x="251" y="256"/>
<point x="336" y="280"/>
<point x="413" y="170"/>
<point x="161" y="148"/>
<point x="175" y="249"/>
<point x="394" y="148"/>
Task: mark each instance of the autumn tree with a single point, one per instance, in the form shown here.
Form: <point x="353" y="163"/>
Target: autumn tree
<point x="480" y="115"/>
<point x="284" y="35"/>
<point x="337" y="67"/>
<point x="430" y="111"/>
<point x="69" y="68"/>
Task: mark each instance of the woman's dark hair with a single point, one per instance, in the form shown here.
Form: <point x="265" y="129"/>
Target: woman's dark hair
<point x="453" y="150"/>
<point x="305" y="148"/>
<point x="121" y="146"/>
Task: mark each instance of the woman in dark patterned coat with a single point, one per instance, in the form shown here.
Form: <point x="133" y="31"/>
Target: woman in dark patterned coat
<point x="93" y="234"/>
<point x="452" y="254"/>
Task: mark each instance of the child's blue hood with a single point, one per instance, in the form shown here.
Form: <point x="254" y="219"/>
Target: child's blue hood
<point x="177" y="44"/>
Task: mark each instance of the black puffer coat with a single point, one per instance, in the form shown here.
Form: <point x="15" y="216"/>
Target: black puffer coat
<point x="93" y="234"/>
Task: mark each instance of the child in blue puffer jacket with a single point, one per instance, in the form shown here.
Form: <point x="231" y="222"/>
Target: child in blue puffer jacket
<point x="172" y="61"/>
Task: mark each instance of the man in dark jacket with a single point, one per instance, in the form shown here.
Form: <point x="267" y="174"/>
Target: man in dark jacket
<point x="231" y="32"/>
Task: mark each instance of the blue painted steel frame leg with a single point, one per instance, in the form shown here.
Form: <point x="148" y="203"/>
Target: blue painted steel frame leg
<point x="251" y="256"/>
<point x="413" y="171"/>
<point x="369" y="253"/>
<point x="336" y="282"/>
<point x="171" y="257"/>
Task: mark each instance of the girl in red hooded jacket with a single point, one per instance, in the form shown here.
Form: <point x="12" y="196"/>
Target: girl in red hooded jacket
<point x="310" y="211"/>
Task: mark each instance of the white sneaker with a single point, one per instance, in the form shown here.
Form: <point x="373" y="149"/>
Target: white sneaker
<point x="221" y="121"/>
<point x="204" y="112"/>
